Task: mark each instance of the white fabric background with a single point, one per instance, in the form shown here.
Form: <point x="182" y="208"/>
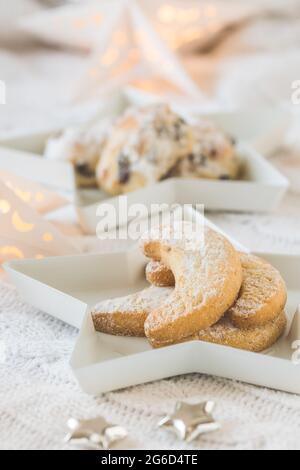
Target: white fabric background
<point x="37" y="390"/>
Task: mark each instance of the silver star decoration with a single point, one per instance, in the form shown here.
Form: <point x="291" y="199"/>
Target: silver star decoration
<point x="189" y="421"/>
<point x="97" y="432"/>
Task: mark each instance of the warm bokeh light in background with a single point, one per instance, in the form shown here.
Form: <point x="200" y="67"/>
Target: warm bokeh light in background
<point x="131" y="42"/>
<point x="136" y="51"/>
<point x="25" y="233"/>
<point x="180" y="24"/>
<point x="35" y="195"/>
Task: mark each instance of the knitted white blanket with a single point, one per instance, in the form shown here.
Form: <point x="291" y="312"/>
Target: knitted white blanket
<point x="38" y="394"/>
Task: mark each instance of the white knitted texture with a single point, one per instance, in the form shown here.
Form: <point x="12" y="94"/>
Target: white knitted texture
<point x="38" y="394"/>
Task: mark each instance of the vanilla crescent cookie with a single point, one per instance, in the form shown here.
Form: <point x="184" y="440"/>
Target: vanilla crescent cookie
<point x="125" y="316"/>
<point x="143" y="146"/>
<point x="262" y="296"/>
<point x="159" y="275"/>
<point x="208" y="278"/>
<point x="255" y="339"/>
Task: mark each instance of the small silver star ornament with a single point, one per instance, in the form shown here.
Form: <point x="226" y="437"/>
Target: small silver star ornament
<point x="189" y="421"/>
<point x="96" y="432"/>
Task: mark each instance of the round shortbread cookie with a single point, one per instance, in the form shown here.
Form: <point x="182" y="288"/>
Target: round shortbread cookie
<point x="261" y="298"/>
<point x="125" y="316"/>
<point x="208" y="275"/>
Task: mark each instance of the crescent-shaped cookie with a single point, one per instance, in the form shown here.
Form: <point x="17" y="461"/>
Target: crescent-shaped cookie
<point x="255" y="339"/>
<point x="159" y="275"/>
<point x="262" y="295"/>
<point x="208" y="277"/>
<point x="125" y="316"/>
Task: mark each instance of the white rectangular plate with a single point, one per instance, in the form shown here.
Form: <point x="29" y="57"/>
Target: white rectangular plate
<point x="68" y="287"/>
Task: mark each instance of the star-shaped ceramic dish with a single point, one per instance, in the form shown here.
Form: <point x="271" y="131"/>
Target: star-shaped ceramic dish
<point x="260" y="190"/>
<point x="68" y="287"/>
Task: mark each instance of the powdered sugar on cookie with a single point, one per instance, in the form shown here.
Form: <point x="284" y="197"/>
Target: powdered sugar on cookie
<point x="208" y="277"/>
<point x="147" y="299"/>
<point x="126" y="316"/>
<point x="263" y="293"/>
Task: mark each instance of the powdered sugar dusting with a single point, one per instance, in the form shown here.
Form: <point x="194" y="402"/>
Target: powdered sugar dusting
<point x="208" y="276"/>
<point x="253" y="339"/>
<point x="146" y="300"/>
<point x="262" y="288"/>
<point x="79" y="145"/>
<point x="150" y="139"/>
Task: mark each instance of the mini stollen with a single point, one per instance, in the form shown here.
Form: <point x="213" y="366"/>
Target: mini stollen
<point x="143" y="146"/>
<point x="82" y="147"/>
<point x="213" y="154"/>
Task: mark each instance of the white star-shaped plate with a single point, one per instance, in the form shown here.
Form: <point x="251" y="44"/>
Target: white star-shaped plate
<point x="261" y="189"/>
<point x="68" y="287"/>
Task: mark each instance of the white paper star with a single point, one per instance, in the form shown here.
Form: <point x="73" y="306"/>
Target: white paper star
<point x="25" y="233"/>
<point x="189" y="421"/>
<point x="126" y="46"/>
<point x="133" y="41"/>
<point x="131" y="51"/>
<point x="178" y="22"/>
<point x="35" y="195"/>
